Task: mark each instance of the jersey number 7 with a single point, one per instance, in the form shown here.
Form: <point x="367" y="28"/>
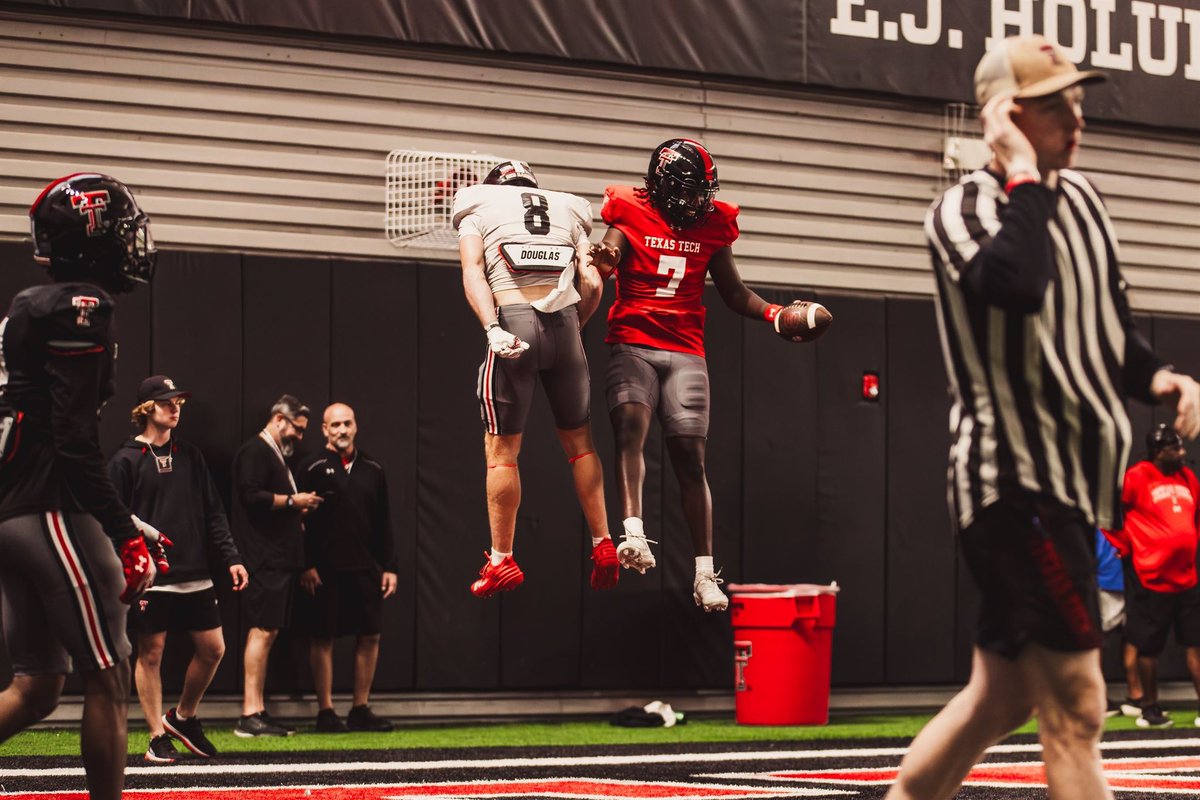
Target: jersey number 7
<point x="674" y="266"/>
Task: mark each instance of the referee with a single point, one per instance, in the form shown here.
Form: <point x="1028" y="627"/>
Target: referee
<point x="1041" y="351"/>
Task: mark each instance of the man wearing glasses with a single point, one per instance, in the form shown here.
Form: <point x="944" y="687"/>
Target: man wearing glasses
<point x="166" y="482"/>
<point x="268" y="512"/>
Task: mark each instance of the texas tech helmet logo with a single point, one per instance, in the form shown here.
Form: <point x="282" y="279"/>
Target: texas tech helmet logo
<point x="93" y="204"/>
<point x="667" y="155"/>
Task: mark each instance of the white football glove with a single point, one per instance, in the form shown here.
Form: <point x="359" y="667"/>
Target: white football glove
<point x="505" y="344"/>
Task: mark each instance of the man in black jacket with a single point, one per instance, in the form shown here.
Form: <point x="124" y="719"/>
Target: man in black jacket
<point x="267" y="517"/>
<point x="165" y="481"/>
<point x="351" y="566"/>
<point x="70" y="553"/>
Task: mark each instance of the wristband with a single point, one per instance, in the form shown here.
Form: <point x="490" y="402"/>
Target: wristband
<point x="771" y="312"/>
<point x="290" y="502"/>
<point x="1019" y="180"/>
<point x="492" y="324"/>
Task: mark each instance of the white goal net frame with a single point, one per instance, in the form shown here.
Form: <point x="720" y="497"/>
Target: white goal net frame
<point x="420" y="194"/>
<point x="963" y="148"/>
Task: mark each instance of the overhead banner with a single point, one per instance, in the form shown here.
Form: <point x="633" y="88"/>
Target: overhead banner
<point x="917" y="48"/>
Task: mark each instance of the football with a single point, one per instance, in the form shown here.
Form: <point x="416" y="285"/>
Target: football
<point x="803" y="321"/>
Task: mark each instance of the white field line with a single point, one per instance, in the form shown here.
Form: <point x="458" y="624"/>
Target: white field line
<point x="218" y="768"/>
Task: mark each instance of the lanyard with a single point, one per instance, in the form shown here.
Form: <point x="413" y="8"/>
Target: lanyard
<point x="266" y="437"/>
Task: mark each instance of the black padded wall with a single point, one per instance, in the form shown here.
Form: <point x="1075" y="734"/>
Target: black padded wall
<point x="779" y="466"/>
<point x="850" y="544"/>
<point x="921" y="560"/>
<point x="373" y="369"/>
<point x="198" y="292"/>
<point x="457" y="636"/>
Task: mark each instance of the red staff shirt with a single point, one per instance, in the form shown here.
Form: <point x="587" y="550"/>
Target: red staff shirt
<point x="1160" y="526"/>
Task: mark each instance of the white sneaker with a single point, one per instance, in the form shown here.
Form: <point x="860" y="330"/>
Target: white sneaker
<point x="707" y="593"/>
<point x="634" y="552"/>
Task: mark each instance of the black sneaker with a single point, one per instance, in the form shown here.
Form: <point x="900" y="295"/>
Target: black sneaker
<point x="161" y="750"/>
<point x="328" y="721"/>
<point x="1153" y="717"/>
<point x="362" y="718"/>
<point x="190" y="732"/>
<point x="1131" y="707"/>
<point x="1113" y="709"/>
<point x="267" y="716"/>
<point x="258" y="725"/>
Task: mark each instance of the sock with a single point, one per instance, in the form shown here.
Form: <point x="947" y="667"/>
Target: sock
<point x="180" y="717"/>
<point x="497" y="557"/>
<point x="596" y="540"/>
<point x="704" y="564"/>
<point x="633" y="527"/>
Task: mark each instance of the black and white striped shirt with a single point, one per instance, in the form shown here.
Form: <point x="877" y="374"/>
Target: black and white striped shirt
<point x="1039" y="344"/>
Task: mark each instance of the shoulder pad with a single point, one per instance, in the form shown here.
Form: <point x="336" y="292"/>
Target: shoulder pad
<point x="724" y="219"/>
<point x="617" y="202"/>
<point x="71" y="312"/>
<point x="466" y="201"/>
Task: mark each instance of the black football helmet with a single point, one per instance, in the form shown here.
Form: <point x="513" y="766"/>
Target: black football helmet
<point x="1162" y="437"/>
<point x="512" y="173"/>
<point x="681" y="182"/>
<point x="89" y="226"/>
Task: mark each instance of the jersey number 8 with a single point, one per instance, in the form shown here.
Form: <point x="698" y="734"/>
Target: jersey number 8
<point x="537" y="213"/>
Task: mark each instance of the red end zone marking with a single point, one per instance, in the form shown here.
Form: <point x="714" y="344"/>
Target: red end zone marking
<point x="569" y="788"/>
<point x="1138" y="774"/>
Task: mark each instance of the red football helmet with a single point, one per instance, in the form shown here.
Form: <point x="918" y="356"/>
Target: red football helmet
<point x="681" y="182"/>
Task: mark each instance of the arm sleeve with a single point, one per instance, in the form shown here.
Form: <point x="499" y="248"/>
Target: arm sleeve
<point x="1140" y="360"/>
<point x="385" y="539"/>
<point x="252" y="477"/>
<point x="122" y="481"/>
<point x="1003" y="262"/>
<point x="216" y="520"/>
<point x="75" y="390"/>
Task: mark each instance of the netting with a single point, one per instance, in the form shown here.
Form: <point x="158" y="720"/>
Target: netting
<point x="420" y="194"/>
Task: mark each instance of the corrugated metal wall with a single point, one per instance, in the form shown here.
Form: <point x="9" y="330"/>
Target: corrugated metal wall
<point x="279" y="145"/>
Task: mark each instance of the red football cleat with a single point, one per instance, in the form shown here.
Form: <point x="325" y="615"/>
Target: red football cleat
<point x="605" y="566"/>
<point x="502" y="577"/>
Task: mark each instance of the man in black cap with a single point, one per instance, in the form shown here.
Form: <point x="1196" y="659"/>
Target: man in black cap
<point x="166" y="482"/>
<point x="1158" y="543"/>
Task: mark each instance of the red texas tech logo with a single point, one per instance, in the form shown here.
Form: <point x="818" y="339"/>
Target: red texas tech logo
<point x="92" y="204"/>
<point x="86" y="306"/>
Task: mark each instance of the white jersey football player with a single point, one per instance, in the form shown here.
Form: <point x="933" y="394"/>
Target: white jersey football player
<point x="527" y="277"/>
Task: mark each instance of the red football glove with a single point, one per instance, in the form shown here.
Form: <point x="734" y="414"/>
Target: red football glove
<point x="138" y="567"/>
<point x="156" y="543"/>
<point x="143" y="557"/>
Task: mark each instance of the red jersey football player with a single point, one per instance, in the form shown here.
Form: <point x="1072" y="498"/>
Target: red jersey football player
<point x="661" y="242"/>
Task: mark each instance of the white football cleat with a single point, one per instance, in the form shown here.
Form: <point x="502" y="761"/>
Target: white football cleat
<point x="634" y="552"/>
<point x="707" y="593"/>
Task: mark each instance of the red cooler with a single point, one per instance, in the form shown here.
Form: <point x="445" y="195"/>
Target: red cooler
<point x="783" y="645"/>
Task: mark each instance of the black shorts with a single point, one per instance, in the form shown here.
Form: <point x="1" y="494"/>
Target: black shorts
<point x="1036" y="572"/>
<point x="555" y="356"/>
<point x="267" y="599"/>
<point x="346" y="604"/>
<point x="1150" y="615"/>
<point x="158" y="612"/>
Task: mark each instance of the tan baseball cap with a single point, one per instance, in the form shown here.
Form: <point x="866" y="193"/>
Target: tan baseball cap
<point x="1031" y="66"/>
